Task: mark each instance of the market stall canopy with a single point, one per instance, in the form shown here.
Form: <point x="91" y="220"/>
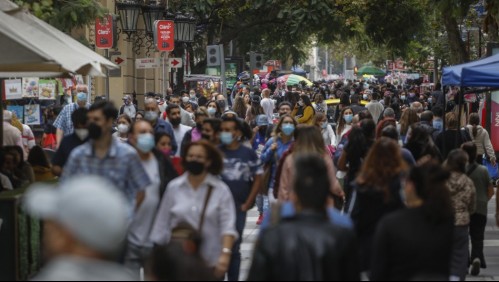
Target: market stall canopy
<point x="452" y="76"/>
<point x="298" y="71"/>
<point x="370" y="70"/>
<point x="31" y="46"/>
<point x="293" y="79"/>
<point x="481" y="76"/>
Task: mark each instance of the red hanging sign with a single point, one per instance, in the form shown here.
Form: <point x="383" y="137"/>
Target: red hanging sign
<point x="494" y="134"/>
<point x="164" y="35"/>
<point x="104" y="32"/>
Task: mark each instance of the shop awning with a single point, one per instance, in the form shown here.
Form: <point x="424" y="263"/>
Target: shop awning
<point x="452" y="76"/>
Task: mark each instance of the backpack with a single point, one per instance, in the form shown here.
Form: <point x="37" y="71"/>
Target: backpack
<point x="339" y="149"/>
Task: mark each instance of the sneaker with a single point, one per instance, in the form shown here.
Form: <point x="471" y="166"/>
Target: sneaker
<point x="260" y="219"/>
<point x="475" y="267"/>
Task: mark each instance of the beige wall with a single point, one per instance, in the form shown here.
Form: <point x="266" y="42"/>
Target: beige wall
<point x="140" y="81"/>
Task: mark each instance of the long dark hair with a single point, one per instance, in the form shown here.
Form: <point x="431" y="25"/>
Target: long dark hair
<point x="37" y="157"/>
<point x="430" y="183"/>
<point x="475" y="122"/>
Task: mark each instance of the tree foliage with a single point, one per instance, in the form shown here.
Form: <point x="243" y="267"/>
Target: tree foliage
<point x="65" y="14"/>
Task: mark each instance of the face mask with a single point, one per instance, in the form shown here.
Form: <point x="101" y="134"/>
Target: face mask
<point x="430" y="100"/>
<point x="324" y="125"/>
<point x="199" y="126"/>
<point x="145" y="142"/>
<point x="185" y="100"/>
<point x="365" y="97"/>
<point x="151" y="116"/>
<point x="226" y="138"/>
<point x="123" y="128"/>
<point x="348" y="118"/>
<point x="221" y="104"/>
<point x="94" y="131"/>
<point x="403" y="98"/>
<point x="192" y="95"/>
<point x="194" y="168"/>
<point x="301" y="103"/>
<point x="288" y="129"/>
<point x="82" y="133"/>
<point x="175" y="122"/>
<point x="212" y="111"/>
<point x="352" y="92"/>
<point x="166" y="152"/>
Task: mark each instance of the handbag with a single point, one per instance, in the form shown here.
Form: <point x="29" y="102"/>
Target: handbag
<point x="184" y="230"/>
<point x="493" y="171"/>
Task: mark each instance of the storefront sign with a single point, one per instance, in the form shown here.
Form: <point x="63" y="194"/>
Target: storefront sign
<point x="164" y="35"/>
<point x="104" y="32"/>
<point x="494" y="128"/>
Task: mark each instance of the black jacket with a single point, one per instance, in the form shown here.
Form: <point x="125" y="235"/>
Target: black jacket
<point x="166" y="171"/>
<point x="305" y="248"/>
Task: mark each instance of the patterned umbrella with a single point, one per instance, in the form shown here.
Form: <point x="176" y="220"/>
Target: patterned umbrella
<point x="293" y="79"/>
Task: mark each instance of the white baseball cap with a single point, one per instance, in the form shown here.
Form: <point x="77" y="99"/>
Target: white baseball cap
<point x="91" y="208"/>
<point x="7" y="115"/>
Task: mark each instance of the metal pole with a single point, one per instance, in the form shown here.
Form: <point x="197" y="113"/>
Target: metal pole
<point x="222" y="70"/>
<point x="107" y="78"/>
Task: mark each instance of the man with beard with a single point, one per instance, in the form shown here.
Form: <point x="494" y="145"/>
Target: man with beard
<point x="179" y="130"/>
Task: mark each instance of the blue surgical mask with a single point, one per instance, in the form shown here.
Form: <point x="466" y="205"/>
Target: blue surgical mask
<point x="145" y="142"/>
<point x="212" y="111"/>
<point x="151" y="116"/>
<point x="324" y="125"/>
<point x="226" y="138"/>
<point x="288" y="129"/>
<point x="348" y="118"/>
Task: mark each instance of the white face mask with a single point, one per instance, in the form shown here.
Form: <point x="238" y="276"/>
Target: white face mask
<point x="82" y="133"/>
<point x="123" y="128"/>
<point x="185" y="99"/>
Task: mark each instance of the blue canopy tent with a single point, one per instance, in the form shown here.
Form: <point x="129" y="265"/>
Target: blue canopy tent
<point x="480" y="73"/>
<point x="299" y="71"/>
<point x="481" y="76"/>
<point x="452" y="76"/>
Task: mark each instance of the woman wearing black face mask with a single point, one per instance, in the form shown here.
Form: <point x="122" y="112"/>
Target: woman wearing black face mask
<point x="199" y="198"/>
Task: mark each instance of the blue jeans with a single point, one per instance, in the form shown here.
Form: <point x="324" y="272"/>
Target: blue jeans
<point x="262" y="203"/>
<point x="235" y="260"/>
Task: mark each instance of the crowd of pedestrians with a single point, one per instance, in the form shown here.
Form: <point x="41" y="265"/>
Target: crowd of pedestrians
<point x="344" y="191"/>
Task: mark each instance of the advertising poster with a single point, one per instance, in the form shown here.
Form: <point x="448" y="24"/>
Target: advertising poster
<point x="18" y="111"/>
<point x="494" y="128"/>
<point x="30" y="87"/>
<point x="13" y="89"/>
<point x="47" y="89"/>
<point x="32" y="115"/>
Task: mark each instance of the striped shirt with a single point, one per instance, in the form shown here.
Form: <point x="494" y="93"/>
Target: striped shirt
<point x="63" y="120"/>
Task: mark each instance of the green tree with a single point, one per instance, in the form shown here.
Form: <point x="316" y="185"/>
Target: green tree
<point x="65" y="14"/>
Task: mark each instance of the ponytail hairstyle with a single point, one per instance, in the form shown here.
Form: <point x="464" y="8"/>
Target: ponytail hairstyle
<point x="430" y="183"/>
<point x="475" y="122"/>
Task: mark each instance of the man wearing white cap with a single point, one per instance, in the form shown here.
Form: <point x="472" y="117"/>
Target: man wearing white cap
<point x="63" y="122"/>
<point x="85" y="225"/>
<point x="11" y="135"/>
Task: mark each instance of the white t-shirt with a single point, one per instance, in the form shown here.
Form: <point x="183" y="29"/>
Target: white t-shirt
<point x="144" y="217"/>
<point x="268" y="108"/>
<point x="179" y="135"/>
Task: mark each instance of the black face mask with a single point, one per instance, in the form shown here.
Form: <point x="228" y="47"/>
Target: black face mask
<point x="194" y="168"/>
<point x="94" y="131"/>
<point x="221" y="104"/>
<point x="206" y="137"/>
<point x="175" y="122"/>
